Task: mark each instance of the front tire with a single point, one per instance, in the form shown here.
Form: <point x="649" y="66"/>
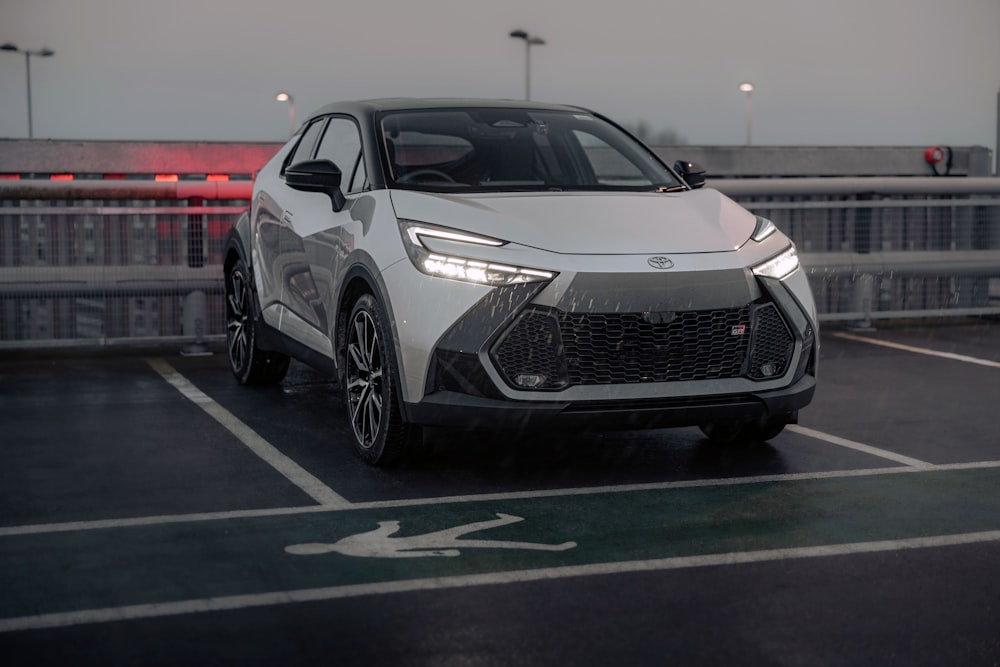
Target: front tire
<point x="250" y="364"/>
<point x="381" y="435"/>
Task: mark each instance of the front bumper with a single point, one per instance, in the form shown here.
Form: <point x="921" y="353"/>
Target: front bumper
<point x="454" y="409"/>
<point x="699" y="347"/>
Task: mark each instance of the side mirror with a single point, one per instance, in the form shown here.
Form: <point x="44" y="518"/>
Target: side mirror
<point x="693" y="174"/>
<point x="317" y="176"/>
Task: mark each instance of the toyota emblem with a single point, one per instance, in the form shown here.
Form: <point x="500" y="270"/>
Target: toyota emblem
<point x="659" y="262"/>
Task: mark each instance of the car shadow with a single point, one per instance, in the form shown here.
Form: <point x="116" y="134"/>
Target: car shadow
<point x="567" y="459"/>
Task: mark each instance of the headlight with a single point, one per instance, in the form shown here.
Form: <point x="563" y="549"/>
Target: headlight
<point x="780" y="265"/>
<point x="417" y="235"/>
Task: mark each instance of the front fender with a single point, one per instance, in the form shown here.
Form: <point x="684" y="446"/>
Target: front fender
<point x="238" y="243"/>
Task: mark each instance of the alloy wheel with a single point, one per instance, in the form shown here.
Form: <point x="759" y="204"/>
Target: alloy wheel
<point x="237" y="314"/>
<point x="364" y="378"/>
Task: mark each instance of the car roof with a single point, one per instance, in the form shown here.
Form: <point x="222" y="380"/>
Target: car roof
<point x="373" y="106"/>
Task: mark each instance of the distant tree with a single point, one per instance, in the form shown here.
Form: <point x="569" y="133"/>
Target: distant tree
<point x="644" y="133"/>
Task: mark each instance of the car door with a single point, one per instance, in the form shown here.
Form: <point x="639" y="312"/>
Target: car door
<point x="278" y="249"/>
<point x="324" y="238"/>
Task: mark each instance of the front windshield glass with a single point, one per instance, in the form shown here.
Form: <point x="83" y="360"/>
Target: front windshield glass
<point x="509" y="149"/>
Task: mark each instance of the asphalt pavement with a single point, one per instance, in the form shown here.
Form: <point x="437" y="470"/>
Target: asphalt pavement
<point x="154" y="512"/>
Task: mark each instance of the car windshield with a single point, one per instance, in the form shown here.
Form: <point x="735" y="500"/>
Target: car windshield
<point x="510" y="149"/>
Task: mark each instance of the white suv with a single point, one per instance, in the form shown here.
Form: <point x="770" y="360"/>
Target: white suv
<point x="510" y="264"/>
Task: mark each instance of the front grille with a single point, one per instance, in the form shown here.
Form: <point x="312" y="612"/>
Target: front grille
<point x="546" y="349"/>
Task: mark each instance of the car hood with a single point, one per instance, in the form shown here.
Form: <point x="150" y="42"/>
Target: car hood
<point x="590" y="223"/>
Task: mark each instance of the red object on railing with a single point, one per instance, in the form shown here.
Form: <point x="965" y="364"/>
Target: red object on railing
<point x="933" y="155"/>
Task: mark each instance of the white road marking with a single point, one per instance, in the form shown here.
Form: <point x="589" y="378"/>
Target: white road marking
<point x="292" y="471"/>
<point x="919" y="350"/>
<point x="106" y="524"/>
<point x="867" y="449"/>
<point x="234" y="602"/>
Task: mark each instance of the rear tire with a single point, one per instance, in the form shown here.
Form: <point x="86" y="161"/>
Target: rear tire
<point x="381" y="435"/>
<point x="250" y="364"/>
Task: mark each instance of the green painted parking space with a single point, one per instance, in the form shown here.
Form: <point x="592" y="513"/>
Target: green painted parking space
<point x="77" y="570"/>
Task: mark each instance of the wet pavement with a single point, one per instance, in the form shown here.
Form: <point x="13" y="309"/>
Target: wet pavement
<point x="152" y="511"/>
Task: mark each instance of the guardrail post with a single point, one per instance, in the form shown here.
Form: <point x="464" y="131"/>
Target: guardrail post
<point x="865" y="282"/>
<point x="193" y="324"/>
<point x="195" y="308"/>
<point x="864" y="285"/>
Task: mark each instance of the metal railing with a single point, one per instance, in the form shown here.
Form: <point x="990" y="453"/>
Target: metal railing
<point x="98" y="264"/>
<point x="888" y="248"/>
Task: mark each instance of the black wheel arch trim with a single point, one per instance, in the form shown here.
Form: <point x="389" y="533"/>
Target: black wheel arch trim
<point x="237" y="247"/>
<point x="363" y="267"/>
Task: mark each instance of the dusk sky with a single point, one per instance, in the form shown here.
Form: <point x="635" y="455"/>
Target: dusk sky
<point x="827" y="72"/>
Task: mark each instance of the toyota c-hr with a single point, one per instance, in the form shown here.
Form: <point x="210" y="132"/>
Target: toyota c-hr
<point x="506" y="264"/>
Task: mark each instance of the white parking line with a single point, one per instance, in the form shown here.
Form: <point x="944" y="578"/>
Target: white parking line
<point x="234" y="602"/>
<point x="850" y="444"/>
<point x="103" y="524"/>
<point x="292" y="471"/>
<point x="919" y="350"/>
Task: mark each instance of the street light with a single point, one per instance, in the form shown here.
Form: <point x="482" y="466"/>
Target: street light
<point x="41" y="53"/>
<point x="285" y="97"/>
<point x="529" y="41"/>
<point x="747" y="87"/>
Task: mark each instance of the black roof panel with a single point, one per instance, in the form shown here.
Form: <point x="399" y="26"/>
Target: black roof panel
<point x="370" y="107"/>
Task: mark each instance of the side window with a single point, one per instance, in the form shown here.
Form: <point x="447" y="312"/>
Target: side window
<point x="610" y="167"/>
<point x="341" y="144"/>
<point x="305" y="148"/>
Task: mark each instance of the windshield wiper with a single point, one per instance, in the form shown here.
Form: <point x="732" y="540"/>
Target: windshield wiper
<point x="671" y="188"/>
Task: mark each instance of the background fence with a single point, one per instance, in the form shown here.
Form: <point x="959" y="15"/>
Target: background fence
<point x="141" y="264"/>
<point x="97" y="263"/>
<point x="882" y="248"/>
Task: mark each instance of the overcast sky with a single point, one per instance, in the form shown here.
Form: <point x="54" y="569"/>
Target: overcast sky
<point x="827" y="72"/>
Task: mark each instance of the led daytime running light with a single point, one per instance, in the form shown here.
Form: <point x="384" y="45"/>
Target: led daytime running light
<point x="780" y="265"/>
<point x="416" y="232"/>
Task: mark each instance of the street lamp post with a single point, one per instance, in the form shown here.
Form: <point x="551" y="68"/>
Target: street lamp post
<point x="41" y="53"/>
<point x="529" y="41"/>
<point x="285" y="97"/>
<point x="747" y="88"/>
